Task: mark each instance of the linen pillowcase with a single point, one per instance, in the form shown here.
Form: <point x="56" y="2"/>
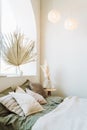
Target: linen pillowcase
<point x="19" y="90"/>
<point x="37" y="96"/>
<point x="25" y="85"/>
<point x="28" y="104"/>
<point x="3" y="110"/>
<point x="38" y="88"/>
<point x="10" y="103"/>
<point x="6" y="91"/>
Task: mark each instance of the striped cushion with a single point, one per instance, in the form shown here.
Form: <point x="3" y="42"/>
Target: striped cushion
<point x="3" y="110"/>
<point x="10" y="103"/>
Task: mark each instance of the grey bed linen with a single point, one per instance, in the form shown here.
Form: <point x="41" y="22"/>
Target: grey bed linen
<point x="11" y="121"/>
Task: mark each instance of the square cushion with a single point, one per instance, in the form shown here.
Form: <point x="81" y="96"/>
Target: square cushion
<point x="19" y="90"/>
<point x="38" y="88"/>
<point x="25" y="85"/>
<point x="3" y="110"/>
<point x="10" y="103"/>
<point x="6" y="91"/>
<point x="39" y="98"/>
<point x="27" y="103"/>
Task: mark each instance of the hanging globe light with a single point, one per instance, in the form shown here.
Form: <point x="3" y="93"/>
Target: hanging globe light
<point x="54" y="16"/>
<point x="71" y="24"/>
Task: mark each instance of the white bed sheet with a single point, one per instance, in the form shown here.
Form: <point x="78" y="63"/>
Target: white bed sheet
<point x="71" y="114"/>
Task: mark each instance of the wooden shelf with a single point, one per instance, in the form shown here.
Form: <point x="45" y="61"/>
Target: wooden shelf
<point x="49" y="90"/>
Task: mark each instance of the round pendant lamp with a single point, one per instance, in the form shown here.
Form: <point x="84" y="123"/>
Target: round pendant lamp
<point x="54" y="16"/>
<point x="71" y="24"/>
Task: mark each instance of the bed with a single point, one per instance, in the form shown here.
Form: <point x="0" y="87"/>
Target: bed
<point x="57" y="114"/>
<point x="71" y="114"/>
<point x="11" y="121"/>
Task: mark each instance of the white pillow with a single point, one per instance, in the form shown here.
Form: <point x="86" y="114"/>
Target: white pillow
<point x="19" y="90"/>
<point x="28" y="104"/>
<point x="37" y="96"/>
<point x="10" y="103"/>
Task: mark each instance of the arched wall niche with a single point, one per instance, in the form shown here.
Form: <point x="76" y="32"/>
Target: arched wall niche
<point x="35" y="6"/>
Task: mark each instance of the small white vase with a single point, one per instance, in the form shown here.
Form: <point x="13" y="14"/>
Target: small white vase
<point x="47" y="83"/>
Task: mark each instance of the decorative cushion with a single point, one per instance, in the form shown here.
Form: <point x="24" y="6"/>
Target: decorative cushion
<point x="3" y="110"/>
<point x="38" y="88"/>
<point x="28" y="104"/>
<point x="19" y="90"/>
<point x="6" y="91"/>
<point x="10" y="103"/>
<point x="37" y="96"/>
<point x="25" y="85"/>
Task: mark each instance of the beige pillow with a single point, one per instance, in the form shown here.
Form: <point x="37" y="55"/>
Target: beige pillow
<point x="6" y="91"/>
<point x="37" y="96"/>
<point x="26" y="84"/>
<point x="10" y="103"/>
<point x="19" y="90"/>
<point x="28" y="104"/>
<point x="38" y="88"/>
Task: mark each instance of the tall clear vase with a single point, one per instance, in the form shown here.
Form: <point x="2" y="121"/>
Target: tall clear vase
<point x="47" y="83"/>
<point x="19" y="71"/>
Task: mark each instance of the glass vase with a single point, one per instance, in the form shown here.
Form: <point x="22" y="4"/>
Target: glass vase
<point x="19" y="71"/>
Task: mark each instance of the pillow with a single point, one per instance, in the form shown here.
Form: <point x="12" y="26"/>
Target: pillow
<point x="38" y="88"/>
<point x="19" y="90"/>
<point x="10" y="103"/>
<point x="25" y="85"/>
<point x="37" y="96"/>
<point x="28" y="104"/>
<point x="6" y="91"/>
<point x="3" y="110"/>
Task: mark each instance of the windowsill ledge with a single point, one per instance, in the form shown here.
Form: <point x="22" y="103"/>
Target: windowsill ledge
<point x="15" y="78"/>
<point x="4" y="76"/>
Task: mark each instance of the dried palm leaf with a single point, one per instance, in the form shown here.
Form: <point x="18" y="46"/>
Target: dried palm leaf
<point x="17" y="50"/>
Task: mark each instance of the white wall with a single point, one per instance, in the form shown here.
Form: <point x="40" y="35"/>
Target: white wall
<point x="13" y="81"/>
<point x="65" y="51"/>
<point x="36" y="9"/>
